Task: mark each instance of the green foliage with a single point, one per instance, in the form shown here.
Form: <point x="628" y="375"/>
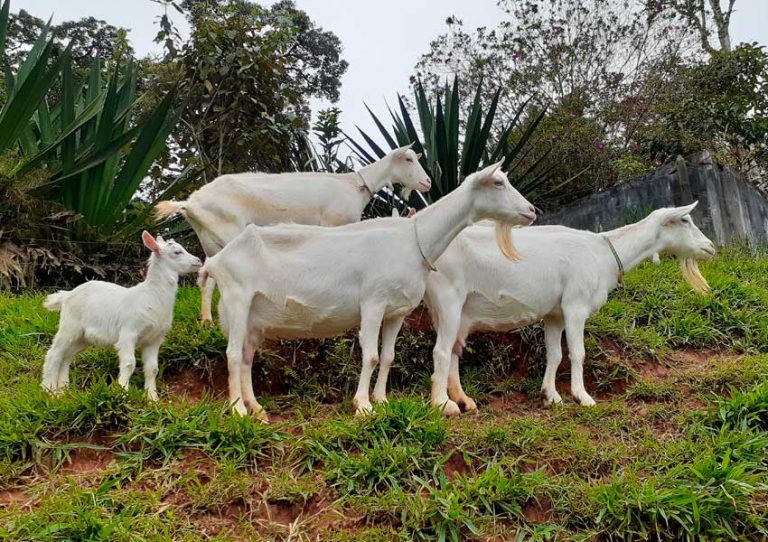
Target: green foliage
<point x="448" y="158"/>
<point x="744" y="410"/>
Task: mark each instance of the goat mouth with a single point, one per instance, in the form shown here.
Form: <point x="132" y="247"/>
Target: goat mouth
<point x="530" y="217"/>
<point x="424" y="186"/>
<point x="709" y="251"/>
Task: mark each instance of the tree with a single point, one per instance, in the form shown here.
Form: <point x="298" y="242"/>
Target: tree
<point x="600" y="63"/>
<point x="703" y="15"/>
<point x="88" y="38"/>
<point x="248" y="73"/>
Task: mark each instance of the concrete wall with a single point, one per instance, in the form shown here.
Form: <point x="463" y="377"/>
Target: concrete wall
<point x="729" y="210"/>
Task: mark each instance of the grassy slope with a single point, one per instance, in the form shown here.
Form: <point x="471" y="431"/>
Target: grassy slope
<point x="675" y="447"/>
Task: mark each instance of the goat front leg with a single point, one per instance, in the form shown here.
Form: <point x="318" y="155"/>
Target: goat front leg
<point x="370" y="325"/>
<point x="126" y="351"/>
<point x="553" y="338"/>
<point x="246" y="378"/>
<point x="447" y="331"/>
<point x="574" y="334"/>
<point x="149" y="361"/>
<point x="206" y="300"/>
<point x="389" y="334"/>
<point x="455" y="391"/>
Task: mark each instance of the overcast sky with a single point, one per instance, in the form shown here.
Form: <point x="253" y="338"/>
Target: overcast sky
<point x="382" y="40"/>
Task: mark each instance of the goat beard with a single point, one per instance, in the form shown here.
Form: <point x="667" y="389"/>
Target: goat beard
<point x="693" y="276"/>
<point x="504" y="240"/>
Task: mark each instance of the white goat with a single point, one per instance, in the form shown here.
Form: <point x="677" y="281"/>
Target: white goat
<point x="224" y="207"/>
<point x="105" y="314"/>
<point x="564" y="277"/>
<point x="294" y="281"/>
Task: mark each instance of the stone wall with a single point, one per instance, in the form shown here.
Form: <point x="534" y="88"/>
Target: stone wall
<point x="730" y="209"/>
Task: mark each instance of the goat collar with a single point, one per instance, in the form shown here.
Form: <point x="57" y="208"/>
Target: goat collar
<point x="364" y="186"/>
<point x="618" y="260"/>
<point x="429" y="265"/>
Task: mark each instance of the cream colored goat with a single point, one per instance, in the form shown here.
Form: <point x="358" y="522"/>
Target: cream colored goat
<point x="294" y="281"/>
<point x="224" y="207"/>
<point x="564" y="277"/>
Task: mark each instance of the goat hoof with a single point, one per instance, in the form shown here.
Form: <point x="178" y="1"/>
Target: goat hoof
<point x="363" y="411"/>
<point x="152" y="396"/>
<point x="379" y="398"/>
<point x="467" y="404"/>
<point x="586" y="401"/>
<point x="450" y="409"/>
<point x="206" y="322"/>
<point x="262" y="416"/>
<point x="239" y="410"/>
<point x="553" y="399"/>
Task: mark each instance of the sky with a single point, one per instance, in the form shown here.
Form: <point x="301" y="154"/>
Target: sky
<point x="382" y="40"/>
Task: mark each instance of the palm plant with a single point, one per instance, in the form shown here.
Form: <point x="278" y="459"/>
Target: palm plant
<point x="446" y="156"/>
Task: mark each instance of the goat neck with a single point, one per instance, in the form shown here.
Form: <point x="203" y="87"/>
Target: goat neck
<point x="635" y="243"/>
<point x="441" y="222"/>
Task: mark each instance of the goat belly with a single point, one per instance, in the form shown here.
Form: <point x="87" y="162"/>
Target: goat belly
<point x="503" y="314"/>
<point x="297" y="320"/>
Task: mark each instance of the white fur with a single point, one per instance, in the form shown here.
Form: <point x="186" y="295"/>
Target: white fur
<point x="564" y="277"/>
<point x="224" y="207"/>
<point x="105" y="314"/>
<point x="294" y="281"/>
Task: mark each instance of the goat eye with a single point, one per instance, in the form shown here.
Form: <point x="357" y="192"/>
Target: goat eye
<point x="409" y="159"/>
<point x="177" y="252"/>
<point x="498" y="183"/>
<point x="684" y="220"/>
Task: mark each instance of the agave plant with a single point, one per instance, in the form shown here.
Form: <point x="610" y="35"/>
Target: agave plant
<point x="449" y="158"/>
<point x="94" y="149"/>
<point x="27" y="88"/>
<point x="86" y="134"/>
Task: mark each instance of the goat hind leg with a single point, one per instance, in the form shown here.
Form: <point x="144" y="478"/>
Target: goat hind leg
<point x="553" y="338"/>
<point x="370" y="325"/>
<point x="389" y="333"/>
<point x="574" y="335"/>
<point x="455" y="391"/>
<point x="246" y="379"/>
<point x="206" y="300"/>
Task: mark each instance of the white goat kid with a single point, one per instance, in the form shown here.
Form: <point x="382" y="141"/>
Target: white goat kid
<point x="564" y="277"/>
<point x="224" y="207"/>
<point x="293" y="281"/>
<point x="105" y="314"/>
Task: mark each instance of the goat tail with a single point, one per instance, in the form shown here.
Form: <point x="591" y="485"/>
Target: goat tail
<point x="168" y="208"/>
<point x="54" y="301"/>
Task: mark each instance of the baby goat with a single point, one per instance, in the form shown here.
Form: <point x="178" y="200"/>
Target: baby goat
<point x="105" y="314"/>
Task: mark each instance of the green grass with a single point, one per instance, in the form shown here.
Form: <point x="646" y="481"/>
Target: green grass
<point x="674" y="450"/>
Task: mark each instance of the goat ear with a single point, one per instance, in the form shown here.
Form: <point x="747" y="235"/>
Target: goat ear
<point x="418" y="156"/>
<point x="488" y="171"/>
<point x="401" y="150"/>
<point x="676" y="213"/>
<point x="149" y="241"/>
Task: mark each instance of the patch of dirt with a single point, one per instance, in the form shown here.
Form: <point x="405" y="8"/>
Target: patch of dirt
<point x="456" y="465"/>
<point x="538" y="511"/>
<point x="87" y="461"/>
<point x="693" y="359"/>
<point x="10" y="497"/>
<point x="191" y="384"/>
